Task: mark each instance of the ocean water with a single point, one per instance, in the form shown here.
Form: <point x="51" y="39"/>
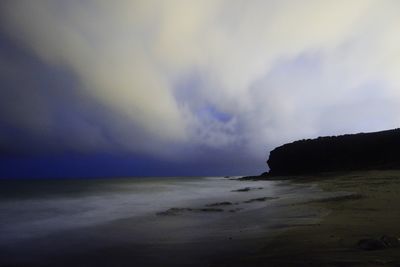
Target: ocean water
<point x="96" y="212"/>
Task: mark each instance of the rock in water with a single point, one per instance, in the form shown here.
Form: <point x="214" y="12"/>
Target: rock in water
<point x="225" y="203"/>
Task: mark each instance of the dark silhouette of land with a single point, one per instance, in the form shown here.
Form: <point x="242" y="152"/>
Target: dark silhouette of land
<point x="360" y="228"/>
<point x="363" y="151"/>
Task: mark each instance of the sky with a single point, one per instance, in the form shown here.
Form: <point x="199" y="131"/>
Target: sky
<point x="93" y="88"/>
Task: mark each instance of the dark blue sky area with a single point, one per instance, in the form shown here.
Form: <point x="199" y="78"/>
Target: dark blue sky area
<point x="92" y="166"/>
<point x="45" y="127"/>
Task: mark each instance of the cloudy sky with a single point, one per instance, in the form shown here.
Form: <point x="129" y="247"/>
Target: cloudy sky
<point x="177" y="87"/>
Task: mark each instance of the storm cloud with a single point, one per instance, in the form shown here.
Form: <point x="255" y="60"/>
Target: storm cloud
<point x="217" y="80"/>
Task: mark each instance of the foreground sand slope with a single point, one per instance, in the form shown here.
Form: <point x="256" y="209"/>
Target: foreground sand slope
<point x="372" y="210"/>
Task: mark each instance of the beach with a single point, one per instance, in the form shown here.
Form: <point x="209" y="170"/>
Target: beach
<point x="291" y="221"/>
<point x="370" y="212"/>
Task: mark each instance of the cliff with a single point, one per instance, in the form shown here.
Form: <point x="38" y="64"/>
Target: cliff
<point x="363" y="151"/>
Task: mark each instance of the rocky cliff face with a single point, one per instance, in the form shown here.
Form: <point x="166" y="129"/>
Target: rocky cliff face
<point x="364" y="151"/>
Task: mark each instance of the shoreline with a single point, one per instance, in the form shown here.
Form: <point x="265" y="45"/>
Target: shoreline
<point x="312" y="221"/>
<point x="207" y="230"/>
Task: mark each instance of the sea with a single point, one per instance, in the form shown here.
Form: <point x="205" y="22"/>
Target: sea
<point x="143" y="221"/>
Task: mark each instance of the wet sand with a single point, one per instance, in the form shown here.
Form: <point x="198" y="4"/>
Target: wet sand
<point x="371" y="211"/>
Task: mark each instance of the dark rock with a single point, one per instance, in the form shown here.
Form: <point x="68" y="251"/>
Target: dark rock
<point x="370" y="244"/>
<point x="263" y="176"/>
<point x="242" y="189"/>
<point x="259" y="199"/>
<point x="339" y="198"/>
<point x="210" y="210"/>
<point x="363" y="151"/>
<point x="376" y="244"/>
<point x="246" y="189"/>
<point x="225" y="203"/>
<point x="174" y="211"/>
<point x="390" y="241"/>
<point x="177" y="211"/>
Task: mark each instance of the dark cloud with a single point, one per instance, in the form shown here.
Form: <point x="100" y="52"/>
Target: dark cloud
<point x="209" y="92"/>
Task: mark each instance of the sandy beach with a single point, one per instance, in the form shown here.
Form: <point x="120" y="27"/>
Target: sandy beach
<point x="371" y="211"/>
